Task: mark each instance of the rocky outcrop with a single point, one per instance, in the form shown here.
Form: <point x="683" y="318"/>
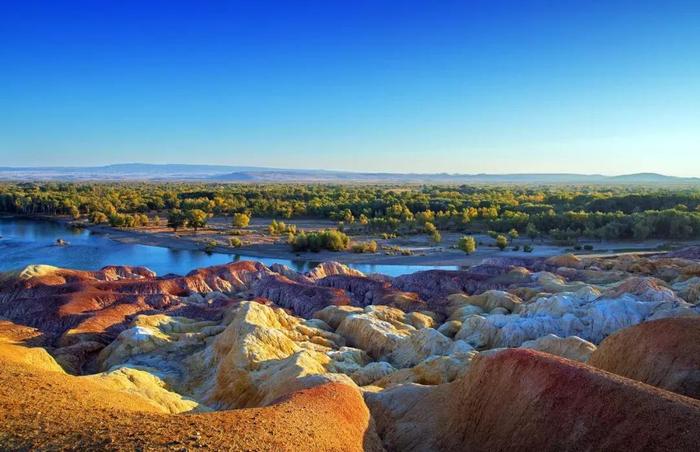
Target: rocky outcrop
<point x="486" y="302"/>
<point x="572" y="347"/>
<point x="644" y="288"/>
<point x="582" y="313"/>
<point x="125" y="410"/>
<point x="331" y="268"/>
<point x="365" y="291"/>
<point x="663" y="353"/>
<point x="427" y="350"/>
<point x="372" y="333"/>
<point x="565" y="260"/>
<point x="72" y="306"/>
<point x="259" y="357"/>
<point x="254" y="356"/>
<point x="525" y="400"/>
<point x="691" y="253"/>
<point x="301" y="298"/>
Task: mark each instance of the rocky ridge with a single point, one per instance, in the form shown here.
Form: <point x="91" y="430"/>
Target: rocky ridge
<point x="242" y="336"/>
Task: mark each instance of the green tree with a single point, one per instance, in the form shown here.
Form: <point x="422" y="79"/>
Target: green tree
<point x="348" y="217"/>
<point x="501" y="242"/>
<point x="197" y="218"/>
<point x="513" y="234"/>
<point x="372" y="246"/>
<point x="240" y="220"/>
<point x="74" y="213"/>
<point x="531" y="231"/>
<point x="641" y="230"/>
<point x="467" y="244"/>
<point x="316" y="241"/>
<point x="98" y="218"/>
<point x="176" y="219"/>
<point x="117" y="220"/>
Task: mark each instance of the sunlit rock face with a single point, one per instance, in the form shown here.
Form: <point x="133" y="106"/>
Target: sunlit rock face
<point x="253" y="356"/>
<point x="584" y="313"/>
<point x="331" y="268"/>
<point x="663" y="353"/>
<point x="572" y="347"/>
<point x="73" y="307"/>
<point x="526" y="400"/>
<point x="243" y="335"/>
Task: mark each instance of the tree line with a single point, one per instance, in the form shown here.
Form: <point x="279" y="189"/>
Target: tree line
<point x="564" y="213"/>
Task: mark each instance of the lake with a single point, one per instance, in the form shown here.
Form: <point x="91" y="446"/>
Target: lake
<point x="25" y="241"/>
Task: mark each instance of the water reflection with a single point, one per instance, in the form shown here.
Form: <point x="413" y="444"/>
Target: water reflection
<point x="24" y="242"/>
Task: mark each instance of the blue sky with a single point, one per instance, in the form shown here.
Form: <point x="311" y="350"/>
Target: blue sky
<point x="483" y="86"/>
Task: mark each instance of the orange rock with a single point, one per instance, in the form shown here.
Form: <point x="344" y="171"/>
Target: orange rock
<point x="56" y="411"/>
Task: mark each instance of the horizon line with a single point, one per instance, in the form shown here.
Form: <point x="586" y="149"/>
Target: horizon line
<point x="271" y="168"/>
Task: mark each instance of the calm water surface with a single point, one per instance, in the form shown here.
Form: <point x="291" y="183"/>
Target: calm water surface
<point x="24" y="242"/>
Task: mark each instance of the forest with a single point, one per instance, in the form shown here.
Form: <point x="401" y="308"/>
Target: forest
<point x="562" y="213"/>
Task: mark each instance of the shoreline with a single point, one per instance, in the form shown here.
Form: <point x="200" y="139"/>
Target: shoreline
<point x="440" y="256"/>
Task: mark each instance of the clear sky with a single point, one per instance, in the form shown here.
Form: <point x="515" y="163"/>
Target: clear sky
<point x="434" y="86"/>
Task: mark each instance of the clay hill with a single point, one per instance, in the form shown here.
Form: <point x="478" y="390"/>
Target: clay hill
<point x="565" y="353"/>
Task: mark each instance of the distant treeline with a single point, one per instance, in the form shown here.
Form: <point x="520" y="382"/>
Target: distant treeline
<point x="564" y="213"/>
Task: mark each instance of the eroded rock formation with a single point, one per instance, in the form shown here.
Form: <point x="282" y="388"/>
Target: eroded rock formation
<point x="480" y="359"/>
<point x="663" y="353"/>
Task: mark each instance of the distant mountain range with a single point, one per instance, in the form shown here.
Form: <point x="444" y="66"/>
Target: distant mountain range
<point x="222" y="173"/>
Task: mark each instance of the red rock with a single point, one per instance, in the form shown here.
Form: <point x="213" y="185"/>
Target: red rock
<point x="71" y="306"/>
<point x="435" y="285"/>
<point x="525" y="400"/>
<point x="365" y="291"/>
<point x="646" y="288"/>
<point x="663" y="353"/>
<point x="691" y="252"/>
<point x="301" y="298"/>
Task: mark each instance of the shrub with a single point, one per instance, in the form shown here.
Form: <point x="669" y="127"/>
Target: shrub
<point x="98" y="218"/>
<point x="209" y="246"/>
<point x="316" y="241"/>
<point x="501" y="242"/>
<point x="279" y="227"/>
<point x="516" y="248"/>
<point x="588" y="247"/>
<point x="366" y="247"/>
<point x="467" y="244"/>
<point x="528" y="248"/>
<point x="240" y="220"/>
<point x="235" y="242"/>
<point x="74" y="213"/>
<point x="120" y="220"/>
